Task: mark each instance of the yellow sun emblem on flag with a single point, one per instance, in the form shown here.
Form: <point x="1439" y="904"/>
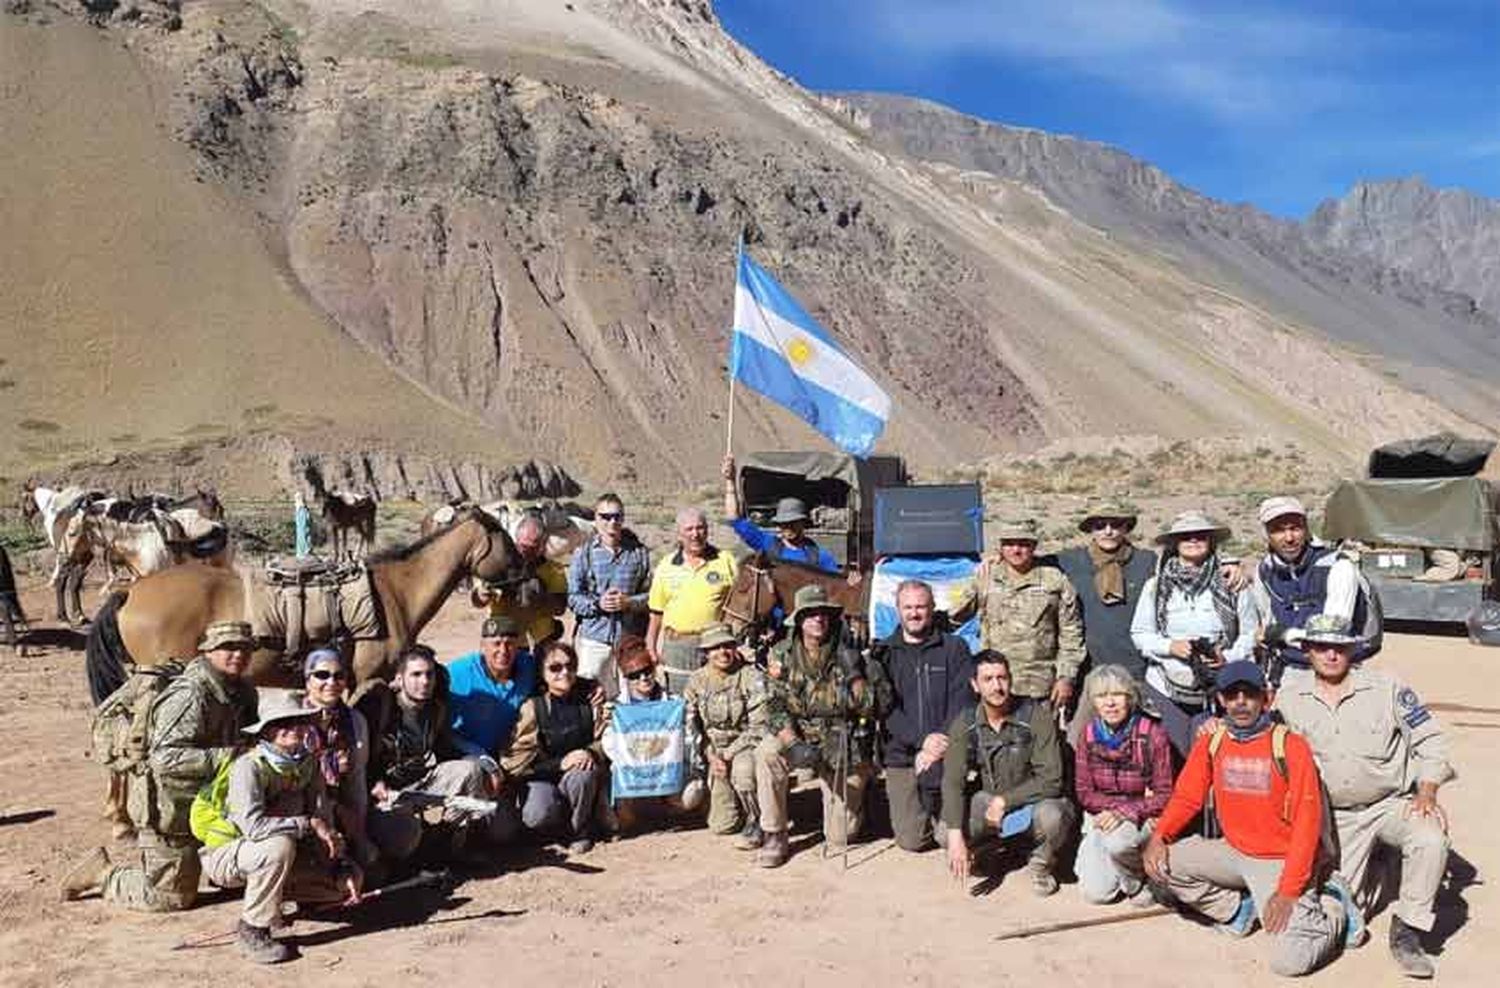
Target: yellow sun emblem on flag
<point x="799" y="351"/>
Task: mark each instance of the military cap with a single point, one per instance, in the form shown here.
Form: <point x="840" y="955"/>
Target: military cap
<point x="1022" y="530"/>
<point x="227" y="634"/>
<point x="500" y="626"/>
<point x="715" y="635"/>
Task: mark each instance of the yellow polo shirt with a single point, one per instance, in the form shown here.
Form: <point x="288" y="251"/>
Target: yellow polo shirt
<point x="689" y="599"/>
<point x="536" y="621"/>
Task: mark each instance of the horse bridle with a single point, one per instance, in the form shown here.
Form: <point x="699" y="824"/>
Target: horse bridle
<point x="750" y="619"/>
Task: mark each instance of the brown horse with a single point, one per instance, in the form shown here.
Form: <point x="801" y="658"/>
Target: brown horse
<point x="163" y="615"/>
<point x="762" y="584"/>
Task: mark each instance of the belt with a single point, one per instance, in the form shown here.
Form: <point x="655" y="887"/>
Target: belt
<point x="676" y="635"/>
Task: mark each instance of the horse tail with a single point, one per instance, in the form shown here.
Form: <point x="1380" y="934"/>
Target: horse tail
<point x="105" y="651"/>
<point x="10" y="598"/>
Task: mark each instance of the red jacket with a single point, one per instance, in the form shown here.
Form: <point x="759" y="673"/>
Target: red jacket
<point x="1263" y="815"/>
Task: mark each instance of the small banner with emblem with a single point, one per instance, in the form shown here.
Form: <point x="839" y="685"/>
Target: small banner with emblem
<point x="647" y="753"/>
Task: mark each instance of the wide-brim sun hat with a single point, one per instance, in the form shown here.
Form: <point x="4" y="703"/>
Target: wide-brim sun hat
<point x="278" y="706"/>
<point x="1328" y="629"/>
<point x="1190" y="522"/>
<point x="789" y="510"/>
<point x="1109" y="510"/>
<point x="809" y="599"/>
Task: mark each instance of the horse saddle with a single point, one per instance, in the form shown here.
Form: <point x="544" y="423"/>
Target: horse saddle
<point x="301" y="602"/>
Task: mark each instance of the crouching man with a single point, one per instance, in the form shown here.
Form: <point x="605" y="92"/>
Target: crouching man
<point x="1010" y="746"/>
<point x="1261" y="785"/>
<point x="270" y="830"/>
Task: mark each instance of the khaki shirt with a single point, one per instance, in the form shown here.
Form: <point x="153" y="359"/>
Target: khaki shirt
<point x="1033" y="618"/>
<point x="1376" y="741"/>
<point x="729" y="710"/>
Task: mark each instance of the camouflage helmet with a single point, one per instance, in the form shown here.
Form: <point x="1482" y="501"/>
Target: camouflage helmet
<point x="811" y="598"/>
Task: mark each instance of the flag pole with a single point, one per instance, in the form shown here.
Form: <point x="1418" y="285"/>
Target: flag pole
<point x="729" y="430"/>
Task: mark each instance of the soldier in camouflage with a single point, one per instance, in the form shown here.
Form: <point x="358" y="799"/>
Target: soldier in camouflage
<point x="726" y="707"/>
<point x="822" y="695"/>
<point x="1029" y="613"/>
<point x="192" y="729"/>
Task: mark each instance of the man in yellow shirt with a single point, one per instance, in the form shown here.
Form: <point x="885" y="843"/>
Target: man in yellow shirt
<point x="538" y="619"/>
<point x="687" y="592"/>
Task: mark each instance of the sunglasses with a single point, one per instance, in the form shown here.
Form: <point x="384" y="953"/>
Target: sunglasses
<point x="639" y="674"/>
<point x="323" y="675"/>
<point x="1109" y="523"/>
<point x="610" y="515"/>
<point x="559" y="668"/>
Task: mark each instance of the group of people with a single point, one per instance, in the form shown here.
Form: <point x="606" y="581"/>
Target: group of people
<point x="1178" y="770"/>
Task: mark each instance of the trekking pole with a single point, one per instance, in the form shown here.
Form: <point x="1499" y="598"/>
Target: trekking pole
<point x="1063" y="926"/>
<point x="423" y="879"/>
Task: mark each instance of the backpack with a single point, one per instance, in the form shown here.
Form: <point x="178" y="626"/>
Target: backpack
<point x="1368" y="619"/>
<point x="208" y="819"/>
<point x="1327" y="844"/>
<point x="123" y="721"/>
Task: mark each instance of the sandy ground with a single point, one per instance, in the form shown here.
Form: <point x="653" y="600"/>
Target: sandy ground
<point x="682" y="906"/>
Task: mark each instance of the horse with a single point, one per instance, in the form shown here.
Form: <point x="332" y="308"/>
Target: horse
<point x="146" y="535"/>
<point x="163" y="615"/>
<point x="56" y="511"/>
<point x="344" y="512"/>
<point x="763" y="583"/>
<point x="12" y="617"/>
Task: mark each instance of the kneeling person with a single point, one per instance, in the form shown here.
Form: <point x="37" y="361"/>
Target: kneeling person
<point x="274" y="833"/>
<point x="1011" y="743"/>
<point x="1265" y="795"/>
<point x="726" y="708"/>
<point x="414" y="760"/>
<point x="642" y="685"/>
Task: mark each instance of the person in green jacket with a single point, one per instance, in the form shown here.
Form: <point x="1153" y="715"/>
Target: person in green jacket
<point x="1012" y="744"/>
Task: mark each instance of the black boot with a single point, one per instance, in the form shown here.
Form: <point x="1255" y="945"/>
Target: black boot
<point x="1406" y="948"/>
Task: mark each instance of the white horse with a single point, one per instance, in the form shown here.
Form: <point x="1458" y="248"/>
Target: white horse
<point x="138" y="539"/>
<point x="565" y="530"/>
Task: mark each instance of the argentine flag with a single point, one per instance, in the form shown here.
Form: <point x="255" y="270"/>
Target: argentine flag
<point x="647" y="753"/>
<point x="782" y="353"/>
<point x="950" y="577"/>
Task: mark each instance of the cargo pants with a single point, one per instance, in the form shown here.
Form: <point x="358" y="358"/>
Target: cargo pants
<point x="1423" y="847"/>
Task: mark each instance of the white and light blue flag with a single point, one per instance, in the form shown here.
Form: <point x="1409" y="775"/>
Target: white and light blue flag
<point x="646" y="749"/>
<point x="950" y="577"/>
<point x="780" y="351"/>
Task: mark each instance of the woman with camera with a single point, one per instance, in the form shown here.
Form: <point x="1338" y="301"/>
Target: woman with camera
<point x="1189" y="622"/>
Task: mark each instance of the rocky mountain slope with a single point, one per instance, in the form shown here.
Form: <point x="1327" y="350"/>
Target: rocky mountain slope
<point x="1395" y="270"/>
<point x="524" y="215"/>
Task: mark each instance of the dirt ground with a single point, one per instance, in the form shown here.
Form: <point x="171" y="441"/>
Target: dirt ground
<point x="682" y="906"/>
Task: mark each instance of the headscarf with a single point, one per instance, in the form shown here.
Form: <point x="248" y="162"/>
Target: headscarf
<point x="1193" y="581"/>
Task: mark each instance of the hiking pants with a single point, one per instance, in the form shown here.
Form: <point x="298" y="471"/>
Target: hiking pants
<point x="1209" y="876"/>
<point x="843" y="807"/>
<point x="272" y="871"/>
<point x="731" y="798"/>
<point x="1051" y="826"/>
<point x="162" y="877"/>
<point x="1109" y="862"/>
<point x="569" y="805"/>
<point x="1423" y="847"/>
<point x="914" y="808"/>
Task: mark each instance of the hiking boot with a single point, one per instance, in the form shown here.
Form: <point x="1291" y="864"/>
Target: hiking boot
<point x="1243" y="922"/>
<point x="1043" y="883"/>
<point x="750" y="837"/>
<point x="86" y="876"/>
<point x="1355" y="933"/>
<point x="774" y="850"/>
<point x="1406" y="948"/>
<point x="257" y="944"/>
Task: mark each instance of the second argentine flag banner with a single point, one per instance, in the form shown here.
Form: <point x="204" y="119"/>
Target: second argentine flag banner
<point x="780" y="351"/>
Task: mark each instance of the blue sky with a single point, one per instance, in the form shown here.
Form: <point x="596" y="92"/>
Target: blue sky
<point x="1278" y="104"/>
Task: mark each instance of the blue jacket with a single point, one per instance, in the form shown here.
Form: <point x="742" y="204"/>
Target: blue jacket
<point x="760" y="540"/>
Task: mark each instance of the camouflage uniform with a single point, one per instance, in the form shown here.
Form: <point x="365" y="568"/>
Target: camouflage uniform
<point x="192" y="729"/>
<point x="728" y="711"/>
<point x="812" y="697"/>
<point x="1032" y="618"/>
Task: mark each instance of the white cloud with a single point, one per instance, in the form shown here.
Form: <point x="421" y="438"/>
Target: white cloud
<point x="1235" y="63"/>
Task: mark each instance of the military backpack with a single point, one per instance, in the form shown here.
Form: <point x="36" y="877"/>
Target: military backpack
<point x="123" y="721"/>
